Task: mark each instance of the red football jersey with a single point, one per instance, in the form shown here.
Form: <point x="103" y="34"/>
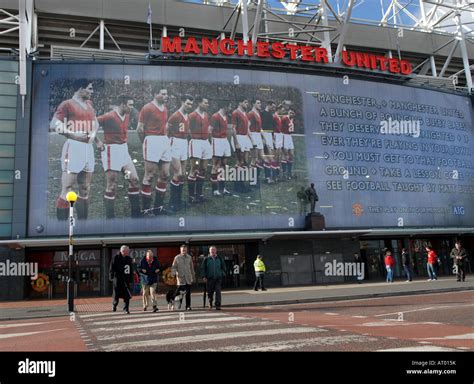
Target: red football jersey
<point x="115" y="127"/>
<point x="219" y="126"/>
<point x="178" y="125"/>
<point x="199" y="125"/>
<point x="276" y="123"/>
<point x="255" y="121"/>
<point x="79" y="117"/>
<point x="241" y="122"/>
<point x="153" y="119"/>
<point x="287" y="125"/>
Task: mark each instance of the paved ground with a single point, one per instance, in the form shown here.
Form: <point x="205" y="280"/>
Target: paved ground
<point x="428" y="322"/>
<point x="57" y="308"/>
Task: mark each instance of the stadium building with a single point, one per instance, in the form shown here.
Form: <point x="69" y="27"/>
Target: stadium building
<point x="205" y="122"/>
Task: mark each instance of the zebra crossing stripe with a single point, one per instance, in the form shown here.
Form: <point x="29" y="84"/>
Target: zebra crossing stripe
<point x="183" y="329"/>
<point x="154" y="318"/>
<point x="120" y="315"/>
<point x="205" y="338"/>
<point x="285" y="345"/>
<point x="166" y="324"/>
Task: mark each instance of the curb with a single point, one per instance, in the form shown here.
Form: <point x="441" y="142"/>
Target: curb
<point x="343" y="298"/>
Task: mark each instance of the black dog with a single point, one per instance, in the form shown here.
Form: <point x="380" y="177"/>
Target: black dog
<point x="174" y="299"/>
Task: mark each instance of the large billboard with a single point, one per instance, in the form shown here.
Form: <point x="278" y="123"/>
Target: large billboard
<point x="162" y="149"/>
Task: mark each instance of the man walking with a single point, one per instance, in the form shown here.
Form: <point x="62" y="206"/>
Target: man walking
<point x="259" y="267"/>
<point x="149" y="268"/>
<point x="213" y="272"/>
<point x="120" y="274"/>
<point x="183" y="269"/>
<point x="459" y="256"/>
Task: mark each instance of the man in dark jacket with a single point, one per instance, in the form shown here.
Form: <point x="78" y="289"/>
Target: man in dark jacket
<point x="459" y="256"/>
<point x="406" y="264"/>
<point x="149" y="267"/>
<point x="121" y="275"/>
<point x="213" y="271"/>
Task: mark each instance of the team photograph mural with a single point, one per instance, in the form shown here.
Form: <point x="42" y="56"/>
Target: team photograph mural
<point x="170" y="149"/>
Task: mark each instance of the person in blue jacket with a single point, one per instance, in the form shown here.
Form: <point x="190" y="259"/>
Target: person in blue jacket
<point x="149" y="268"/>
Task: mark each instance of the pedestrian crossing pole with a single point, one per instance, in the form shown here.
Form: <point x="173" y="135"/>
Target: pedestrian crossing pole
<point x="71" y="197"/>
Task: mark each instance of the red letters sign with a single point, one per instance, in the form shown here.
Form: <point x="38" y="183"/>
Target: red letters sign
<point x="277" y="50"/>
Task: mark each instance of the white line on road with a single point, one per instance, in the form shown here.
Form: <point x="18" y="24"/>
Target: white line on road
<point x="424" y="348"/>
<point x="205" y="338"/>
<point x="3" y="326"/>
<point x="155" y="318"/>
<point x="119" y="315"/>
<point x="181" y="330"/>
<point x="425" y="309"/>
<point x="168" y="323"/>
<point x="11" y="335"/>
<point x="466" y="336"/>
<point x="293" y="344"/>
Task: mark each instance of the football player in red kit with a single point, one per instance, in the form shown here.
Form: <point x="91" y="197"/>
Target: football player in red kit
<point x="152" y="131"/>
<point x="243" y="142"/>
<point x="287" y="128"/>
<point x="199" y="149"/>
<point x="220" y="147"/>
<point x="267" y="135"/>
<point x="116" y="158"/>
<point x="278" y="139"/>
<point x="76" y="119"/>
<point x="178" y="132"/>
<point x="255" y="121"/>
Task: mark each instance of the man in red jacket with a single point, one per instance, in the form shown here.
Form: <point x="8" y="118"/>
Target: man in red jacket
<point x="431" y="264"/>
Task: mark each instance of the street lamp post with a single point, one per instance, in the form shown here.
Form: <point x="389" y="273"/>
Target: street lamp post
<point x="71" y="197"/>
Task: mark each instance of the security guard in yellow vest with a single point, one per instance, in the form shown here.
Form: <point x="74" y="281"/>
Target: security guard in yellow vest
<point x="259" y="267"/>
